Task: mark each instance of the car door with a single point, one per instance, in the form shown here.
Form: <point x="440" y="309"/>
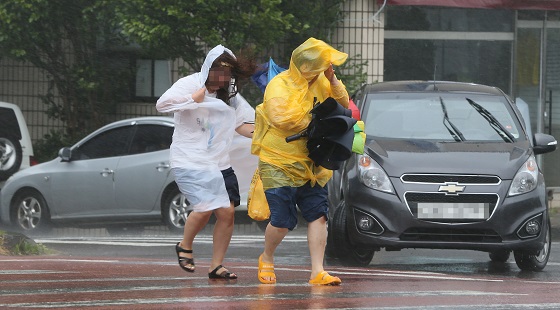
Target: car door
<point x="85" y="184"/>
<point x="143" y="173"/>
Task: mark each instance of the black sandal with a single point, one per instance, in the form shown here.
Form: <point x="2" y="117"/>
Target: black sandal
<point x="223" y="275"/>
<point x="184" y="261"/>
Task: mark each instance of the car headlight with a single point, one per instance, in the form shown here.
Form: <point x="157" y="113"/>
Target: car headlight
<point x="526" y="178"/>
<point x="372" y="175"/>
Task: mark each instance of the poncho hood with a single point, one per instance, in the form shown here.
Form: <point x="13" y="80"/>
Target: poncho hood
<point x="308" y="60"/>
<point x="214" y="53"/>
<point x="313" y="57"/>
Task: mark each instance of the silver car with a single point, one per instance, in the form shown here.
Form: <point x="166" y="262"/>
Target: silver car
<point x="115" y="177"/>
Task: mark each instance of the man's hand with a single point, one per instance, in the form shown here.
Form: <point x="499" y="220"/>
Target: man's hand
<point x="329" y="74"/>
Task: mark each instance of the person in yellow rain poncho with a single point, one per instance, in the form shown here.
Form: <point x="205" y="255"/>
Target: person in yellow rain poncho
<point x="288" y="175"/>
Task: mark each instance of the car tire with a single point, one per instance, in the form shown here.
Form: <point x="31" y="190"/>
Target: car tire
<point x="30" y="213"/>
<point x="338" y="244"/>
<point x="531" y="261"/>
<point x="10" y="155"/>
<point x="499" y="256"/>
<point x="175" y="210"/>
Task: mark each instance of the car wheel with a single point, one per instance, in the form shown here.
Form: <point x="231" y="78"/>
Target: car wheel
<point x="499" y="256"/>
<point x="532" y="261"/>
<point x="30" y="212"/>
<point x="338" y="244"/>
<point x="10" y="156"/>
<point x="175" y="210"/>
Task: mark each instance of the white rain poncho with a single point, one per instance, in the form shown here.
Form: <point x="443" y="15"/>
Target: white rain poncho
<point x="203" y="136"/>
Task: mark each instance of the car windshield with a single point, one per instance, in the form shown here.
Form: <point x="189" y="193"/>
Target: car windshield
<point x="442" y="116"/>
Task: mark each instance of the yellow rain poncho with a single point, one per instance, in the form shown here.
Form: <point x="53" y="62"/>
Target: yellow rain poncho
<point x="288" y="99"/>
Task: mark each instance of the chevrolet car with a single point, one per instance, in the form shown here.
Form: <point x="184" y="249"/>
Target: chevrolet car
<point x="446" y="165"/>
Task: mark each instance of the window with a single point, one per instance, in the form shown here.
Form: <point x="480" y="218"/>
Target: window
<point x="465" y="45"/>
<point x="110" y="143"/>
<point x="420" y="116"/>
<point x="449" y="19"/>
<point x="474" y="61"/>
<point x="153" y="77"/>
<point x="151" y="138"/>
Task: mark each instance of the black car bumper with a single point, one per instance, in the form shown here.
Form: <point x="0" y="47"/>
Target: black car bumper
<point x="393" y="225"/>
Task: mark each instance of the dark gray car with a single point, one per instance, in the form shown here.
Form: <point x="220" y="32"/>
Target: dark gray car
<point x="446" y="165"/>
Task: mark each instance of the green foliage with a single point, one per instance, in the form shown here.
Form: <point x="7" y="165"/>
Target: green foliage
<point x="182" y="29"/>
<point x="352" y="74"/>
<point x="69" y="40"/>
<point x="18" y="244"/>
<point x="27" y="248"/>
<point x="314" y="19"/>
<point x="87" y="47"/>
<point x="47" y="148"/>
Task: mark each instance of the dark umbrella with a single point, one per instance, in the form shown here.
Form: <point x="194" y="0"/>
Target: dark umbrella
<point x="330" y="134"/>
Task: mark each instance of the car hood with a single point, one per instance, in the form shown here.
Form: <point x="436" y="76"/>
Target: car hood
<point x="398" y="157"/>
<point x="36" y="171"/>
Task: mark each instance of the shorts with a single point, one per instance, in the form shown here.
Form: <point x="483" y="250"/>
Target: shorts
<point x="282" y="201"/>
<point x="204" y="188"/>
<point x="232" y="187"/>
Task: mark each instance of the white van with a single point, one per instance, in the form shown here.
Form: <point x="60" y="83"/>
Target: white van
<point x="16" y="150"/>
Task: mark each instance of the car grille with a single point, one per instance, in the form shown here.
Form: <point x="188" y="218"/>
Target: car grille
<point x="451" y="234"/>
<point x="450" y="178"/>
<point x="456" y="201"/>
<point x="414" y="198"/>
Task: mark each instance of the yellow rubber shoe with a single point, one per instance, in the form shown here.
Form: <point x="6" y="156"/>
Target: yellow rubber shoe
<point x="324" y="278"/>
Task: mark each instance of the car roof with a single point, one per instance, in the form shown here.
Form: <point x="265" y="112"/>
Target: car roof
<point x="167" y="120"/>
<point x="162" y="120"/>
<point x="431" y="86"/>
<point x="8" y="105"/>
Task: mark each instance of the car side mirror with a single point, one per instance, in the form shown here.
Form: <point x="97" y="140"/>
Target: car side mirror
<point x="544" y="143"/>
<point x="65" y="154"/>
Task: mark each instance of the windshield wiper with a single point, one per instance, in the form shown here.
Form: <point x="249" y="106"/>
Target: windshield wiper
<point x="494" y="123"/>
<point x="455" y="133"/>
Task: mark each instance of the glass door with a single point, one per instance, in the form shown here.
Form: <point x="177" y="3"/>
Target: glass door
<point x="537" y="79"/>
<point x="551" y="115"/>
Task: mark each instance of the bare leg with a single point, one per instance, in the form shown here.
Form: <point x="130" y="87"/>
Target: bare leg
<point x="272" y="238"/>
<point x="317" y="240"/>
<point x="223" y="231"/>
<point x="194" y="224"/>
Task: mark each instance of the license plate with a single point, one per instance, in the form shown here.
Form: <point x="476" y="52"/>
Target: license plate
<point x="429" y="210"/>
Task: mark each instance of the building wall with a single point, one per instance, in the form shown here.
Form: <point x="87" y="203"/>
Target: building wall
<point x="360" y="33"/>
<point x="23" y="84"/>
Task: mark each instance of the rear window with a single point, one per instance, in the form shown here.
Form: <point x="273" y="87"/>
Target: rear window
<point x="9" y="122"/>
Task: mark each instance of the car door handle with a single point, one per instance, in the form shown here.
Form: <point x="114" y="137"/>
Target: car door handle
<point x="106" y="172"/>
<point x="162" y="166"/>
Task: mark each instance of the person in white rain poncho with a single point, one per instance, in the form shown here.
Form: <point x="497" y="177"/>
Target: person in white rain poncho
<point x="207" y="111"/>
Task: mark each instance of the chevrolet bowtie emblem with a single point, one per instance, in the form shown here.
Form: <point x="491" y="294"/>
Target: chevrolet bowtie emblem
<point x="451" y="188"/>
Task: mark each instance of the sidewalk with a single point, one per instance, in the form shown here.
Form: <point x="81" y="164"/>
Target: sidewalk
<point x="554" y="201"/>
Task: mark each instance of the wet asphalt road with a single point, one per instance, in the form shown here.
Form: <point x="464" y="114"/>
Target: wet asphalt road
<point x="141" y="272"/>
